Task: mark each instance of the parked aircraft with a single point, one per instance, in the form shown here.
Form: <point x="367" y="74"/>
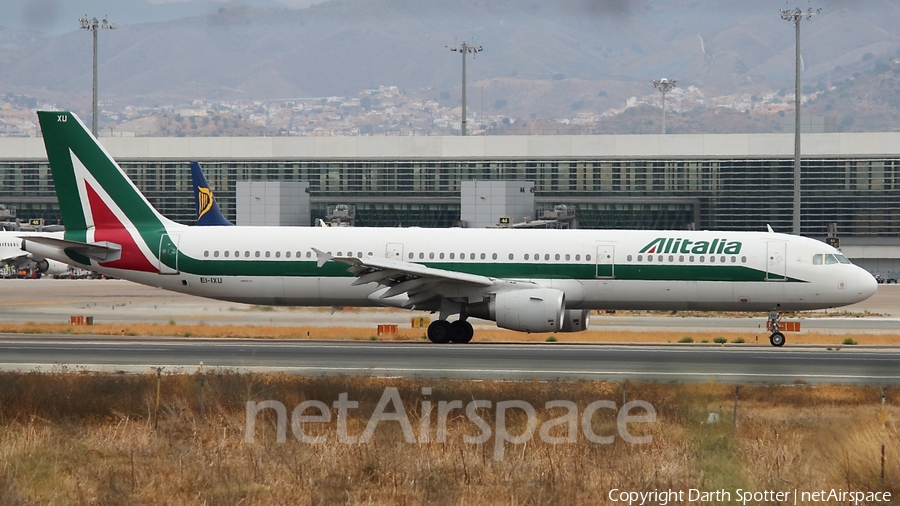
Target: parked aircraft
<point x="524" y="280"/>
<point x="11" y="253"/>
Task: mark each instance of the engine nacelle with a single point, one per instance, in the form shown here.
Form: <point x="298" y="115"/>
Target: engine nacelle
<point x="576" y="320"/>
<point x="52" y="267"/>
<point x="532" y="310"/>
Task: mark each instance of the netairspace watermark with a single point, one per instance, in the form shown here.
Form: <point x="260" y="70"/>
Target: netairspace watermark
<point x="741" y="496"/>
<point x="502" y="410"/>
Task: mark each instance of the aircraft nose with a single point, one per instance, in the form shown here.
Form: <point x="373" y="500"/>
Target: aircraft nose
<point x="867" y="286"/>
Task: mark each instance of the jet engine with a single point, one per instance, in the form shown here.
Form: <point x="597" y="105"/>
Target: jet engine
<point x="576" y="320"/>
<point x="52" y="267"/>
<point x="531" y="310"/>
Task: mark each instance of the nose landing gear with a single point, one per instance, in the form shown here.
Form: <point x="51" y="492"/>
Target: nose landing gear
<point x="776" y="326"/>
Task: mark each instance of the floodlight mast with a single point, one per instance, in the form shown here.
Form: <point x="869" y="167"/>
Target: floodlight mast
<point x="664" y="85"/>
<point x="464" y="49"/>
<point x="797" y="15"/>
<point x="94" y="26"/>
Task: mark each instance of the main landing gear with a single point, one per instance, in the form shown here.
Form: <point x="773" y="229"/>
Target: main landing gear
<point x="442" y="331"/>
<point x="775" y="326"/>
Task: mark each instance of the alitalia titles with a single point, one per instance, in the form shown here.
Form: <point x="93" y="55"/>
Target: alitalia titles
<point x="686" y="246"/>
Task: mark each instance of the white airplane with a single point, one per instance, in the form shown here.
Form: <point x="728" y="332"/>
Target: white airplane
<point x="11" y="253"/>
<point x="524" y="280"/>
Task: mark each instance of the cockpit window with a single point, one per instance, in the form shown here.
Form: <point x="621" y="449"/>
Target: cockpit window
<point x="830" y="260"/>
<point x="817" y="259"/>
<point x="842" y="259"/>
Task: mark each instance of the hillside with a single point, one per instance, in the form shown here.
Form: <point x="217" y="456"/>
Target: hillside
<point x="541" y="59"/>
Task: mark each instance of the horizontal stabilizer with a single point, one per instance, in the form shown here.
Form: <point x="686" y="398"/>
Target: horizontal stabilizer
<point x="100" y="251"/>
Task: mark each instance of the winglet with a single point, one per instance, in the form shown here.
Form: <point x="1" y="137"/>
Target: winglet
<point x="322" y="258"/>
<point x="769" y="228"/>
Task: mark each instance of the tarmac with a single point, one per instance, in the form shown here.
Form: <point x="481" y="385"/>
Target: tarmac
<point x="119" y="301"/>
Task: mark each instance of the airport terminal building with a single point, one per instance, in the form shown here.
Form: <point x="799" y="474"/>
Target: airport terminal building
<point x="715" y="181"/>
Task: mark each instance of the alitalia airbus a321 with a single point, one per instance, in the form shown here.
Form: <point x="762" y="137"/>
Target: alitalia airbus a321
<point x="524" y="280"/>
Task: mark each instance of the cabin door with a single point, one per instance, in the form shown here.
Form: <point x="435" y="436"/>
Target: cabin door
<point x="776" y="261"/>
<point x="168" y="254"/>
<point x="394" y="251"/>
<point x="606" y="255"/>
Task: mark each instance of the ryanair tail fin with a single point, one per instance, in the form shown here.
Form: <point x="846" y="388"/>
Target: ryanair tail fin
<point x="208" y="213"/>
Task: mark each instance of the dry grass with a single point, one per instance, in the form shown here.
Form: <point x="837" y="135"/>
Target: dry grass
<point x="486" y="334"/>
<point x="73" y="439"/>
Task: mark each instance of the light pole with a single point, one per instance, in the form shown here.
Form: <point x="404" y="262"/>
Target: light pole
<point x="464" y="49"/>
<point x="94" y="26"/>
<point x="796" y="15"/>
<point x="664" y="85"/>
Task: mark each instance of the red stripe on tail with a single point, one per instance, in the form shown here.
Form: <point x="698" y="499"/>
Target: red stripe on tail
<point x="109" y="228"/>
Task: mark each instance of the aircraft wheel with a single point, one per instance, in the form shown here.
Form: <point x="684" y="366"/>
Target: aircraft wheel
<point x="440" y="331"/>
<point x="462" y="331"/>
<point x="777" y="339"/>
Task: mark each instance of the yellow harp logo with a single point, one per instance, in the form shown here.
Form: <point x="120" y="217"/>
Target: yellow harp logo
<point x="205" y="196"/>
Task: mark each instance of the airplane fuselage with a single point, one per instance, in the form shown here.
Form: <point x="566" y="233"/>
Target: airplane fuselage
<point x="596" y="269"/>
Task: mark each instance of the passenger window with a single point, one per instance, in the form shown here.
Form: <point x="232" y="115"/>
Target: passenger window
<point x="640" y="257"/>
<point x="546" y="256"/>
<point x="681" y="258"/>
<point x="411" y="255"/>
<point x="629" y="258"/>
<point x="422" y="256"/>
<point x="587" y="257"/>
<point x="722" y="259"/>
<point x="441" y="256"/>
<point x="206" y="253"/>
<point x="287" y="254"/>
<point x="577" y="258"/>
<point x="568" y="257"/>
<point x="557" y="256"/>
<point x="817" y="259"/>
<point x="649" y="258"/>
<point x="701" y="259"/>
<point x="526" y="256"/>
<point x="308" y="254"/>
<point x="691" y="259"/>
<point x="471" y="256"/>
<point x="659" y="258"/>
<point x="277" y="254"/>
<point x="743" y="260"/>
<point x="511" y="256"/>
<point x="712" y="260"/>
<point x="452" y="256"/>
<point x="431" y="256"/>
<point x="299" y="254"/>
<point x="733" y="259"/>
<point x="671" y="258"/>
<point x="359" y="254"/>
<point x="494" y="256"/>
<point x="829" y="259"/>
<point x="269" y="254"/>
<point x="483" y="256"/>
<point x="227" y="253"/>
<point x="216" y="254"/>
<point x="257" y="254"/>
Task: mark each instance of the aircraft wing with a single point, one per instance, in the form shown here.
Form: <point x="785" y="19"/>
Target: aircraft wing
<point x="421" y="283"/>
<point x="15" y="259"/>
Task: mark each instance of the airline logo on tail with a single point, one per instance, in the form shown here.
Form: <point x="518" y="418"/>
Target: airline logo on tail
<point x="99" y="204"/>
<point x="204" y="200"/>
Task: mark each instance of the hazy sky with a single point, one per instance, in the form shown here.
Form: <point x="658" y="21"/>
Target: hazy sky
<point x="53" y="17"/>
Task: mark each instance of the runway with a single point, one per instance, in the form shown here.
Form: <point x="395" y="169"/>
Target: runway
<point x="552" y="361"/>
